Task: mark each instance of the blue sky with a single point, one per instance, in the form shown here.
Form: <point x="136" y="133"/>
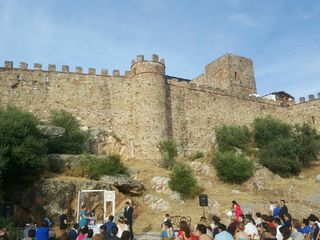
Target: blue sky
<point x="282" y="37"/>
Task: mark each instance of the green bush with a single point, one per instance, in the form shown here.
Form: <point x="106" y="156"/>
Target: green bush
<point x="168" y="150"/>
<point x="307" y="143"/>
<point x="73" y="141"/>
<point x="280" y="157"/>
<point x="232" y="136"/>
<point x="265" y="130"/>
<point x="233" y="168"/>
<point x="10" y="225"/>
<point x="94" y="168"/>
<point x="21" y="147"/>
<point x="183" y="181"/>
<point x="195" y="155"/>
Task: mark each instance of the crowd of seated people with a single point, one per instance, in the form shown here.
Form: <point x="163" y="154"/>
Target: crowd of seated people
<point x="277" y="224"/>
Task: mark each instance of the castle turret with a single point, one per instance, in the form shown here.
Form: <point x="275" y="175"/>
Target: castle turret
<point x="149" y="115"/>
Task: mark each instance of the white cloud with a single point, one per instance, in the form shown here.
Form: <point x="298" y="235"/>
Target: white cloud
<point x="243" y="19"/>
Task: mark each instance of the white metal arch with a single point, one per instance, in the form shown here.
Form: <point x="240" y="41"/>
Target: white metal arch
<point x="108" y="196"/>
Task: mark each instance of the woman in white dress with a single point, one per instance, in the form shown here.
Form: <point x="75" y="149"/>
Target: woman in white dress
<point x="122" y="226"/>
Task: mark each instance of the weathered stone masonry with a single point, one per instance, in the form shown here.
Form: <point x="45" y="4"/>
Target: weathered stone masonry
<point x="144" y="105"/>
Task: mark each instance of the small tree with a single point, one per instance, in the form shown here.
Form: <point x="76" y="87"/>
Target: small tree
<point x="279" y="156"/>
<point x="73" y="141"/>
<point x="265" y="130"/>
<point x="183" y="181"/>
<point x="95" y="168"/>
<point x="307" y="143"/>
<point x="233" y="168"/>
<point x="168" y="150"/>
<point x="232" y="136"/>
<point x="21" y="147"/>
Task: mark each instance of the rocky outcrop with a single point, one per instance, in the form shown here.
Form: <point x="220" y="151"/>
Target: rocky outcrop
<point x="260" y="182"/>
<point x="260" y="178"/>
<point x="201" y="169"/>
<point x="124" y="184"/>
<point x="105" y="141"/>
<point x="49" y="131"/>
<point x="156" y="203"/>
<point x="62" y="162"/>
<point x="50" y="196"/>
<point x="160" y="183"/>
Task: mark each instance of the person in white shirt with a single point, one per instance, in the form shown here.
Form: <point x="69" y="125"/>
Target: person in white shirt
<point x="258" y="219"/>
<point x="250" y="228"/>
<point x="277" y="222"/>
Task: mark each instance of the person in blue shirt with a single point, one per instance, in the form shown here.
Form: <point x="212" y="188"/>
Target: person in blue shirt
<point x="73" y="233"/>
<point x="314" y="221"/>
<point x="42" y="232"/>
<point x="306" y="229"/>
<point x="108" y="225"/>
<point x="223" y="234"/>
<point x="276" y="210"/>
<point x="84" y="219"/>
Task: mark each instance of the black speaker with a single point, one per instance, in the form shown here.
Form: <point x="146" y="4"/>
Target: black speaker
<point x="203" y="200"/>
<point x="7" y="209"/>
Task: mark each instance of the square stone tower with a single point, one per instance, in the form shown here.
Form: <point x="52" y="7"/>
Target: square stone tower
<point x="232" y="73"/>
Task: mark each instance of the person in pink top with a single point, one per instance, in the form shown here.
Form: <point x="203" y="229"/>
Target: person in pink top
<point x="83" y="233"/>
<point x="237" y="210"/>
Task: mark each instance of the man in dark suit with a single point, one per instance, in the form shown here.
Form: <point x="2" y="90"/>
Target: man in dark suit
<point x="283" y="209"/>
<point x="128" y="212"/>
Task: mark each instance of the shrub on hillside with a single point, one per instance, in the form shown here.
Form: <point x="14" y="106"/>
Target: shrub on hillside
<point x="279" y="156"/>
<point x="233" y="168"/>
<point x="21" y="147"/>
<point x="73" y="141"/>
<point x="183" y="181"/>
<point x="94" y="168"/>
<point x="168" y="150"/>
<point x="265" y="130"/>
<point x="230" y="137"/>
<point x="195" y="155"/>
<point x="307" y="143"/>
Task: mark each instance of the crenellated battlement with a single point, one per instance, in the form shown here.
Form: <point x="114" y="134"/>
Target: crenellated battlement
<point x="153" y="66"/>
<point x="65" y="69"/>
<point x="311" y="97"/>
<point x="91" y="71"/>
<point x="154" y="58"/>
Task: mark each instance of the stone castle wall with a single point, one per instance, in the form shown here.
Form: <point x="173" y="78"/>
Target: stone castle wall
<point x="142" y="107"/>
<point x="95" y="100"/>
<point x="197" y="110"/>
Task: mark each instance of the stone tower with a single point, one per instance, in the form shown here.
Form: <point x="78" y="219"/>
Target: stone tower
<point x="149" y="114"/>
<point x="232" y="73"/>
